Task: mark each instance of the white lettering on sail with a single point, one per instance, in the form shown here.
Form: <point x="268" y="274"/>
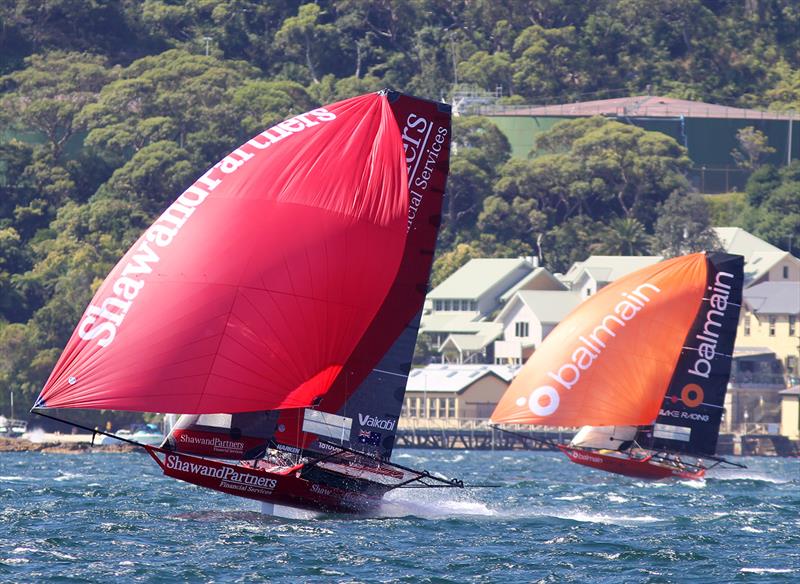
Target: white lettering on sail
<point x="373" y="422"/>
<point x="101" y="322"/>
<point x="544" y="400"/>
<point x="707" y="349"/>
<point x="418" y="146"/>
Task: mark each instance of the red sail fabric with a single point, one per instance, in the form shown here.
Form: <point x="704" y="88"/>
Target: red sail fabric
<point x="611" y="360"/>
<point x="372" y="383"/>
<point x="253" y="289"/>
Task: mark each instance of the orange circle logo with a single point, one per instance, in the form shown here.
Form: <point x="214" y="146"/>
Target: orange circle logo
<point x="692" y="395"/>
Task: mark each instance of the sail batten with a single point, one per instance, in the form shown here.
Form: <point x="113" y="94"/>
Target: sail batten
<point x="690" y="415"/>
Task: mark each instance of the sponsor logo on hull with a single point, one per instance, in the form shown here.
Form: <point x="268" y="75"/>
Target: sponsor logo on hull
<point x="230" y="477"/>
<point x="585" y="457"/>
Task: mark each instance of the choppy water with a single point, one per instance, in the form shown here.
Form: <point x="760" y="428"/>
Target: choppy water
<point x="112" y="517"/>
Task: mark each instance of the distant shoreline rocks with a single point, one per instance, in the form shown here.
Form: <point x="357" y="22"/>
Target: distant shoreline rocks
<point x="61" y="447"/>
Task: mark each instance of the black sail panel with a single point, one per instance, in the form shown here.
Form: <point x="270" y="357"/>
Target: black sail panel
<point x="376" y="404"/>
<point x="690" y="415"/>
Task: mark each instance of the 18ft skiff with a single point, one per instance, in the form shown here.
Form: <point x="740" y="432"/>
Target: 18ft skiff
<point x="275" y="304"/>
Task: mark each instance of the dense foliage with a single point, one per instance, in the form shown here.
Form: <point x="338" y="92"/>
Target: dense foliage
<point x="108" y="109"/>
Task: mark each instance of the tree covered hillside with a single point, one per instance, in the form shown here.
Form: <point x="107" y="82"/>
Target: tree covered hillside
<point x="109" y="109"/>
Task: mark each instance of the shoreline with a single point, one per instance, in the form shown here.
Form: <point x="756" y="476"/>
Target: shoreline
<point x="62" y="444"/>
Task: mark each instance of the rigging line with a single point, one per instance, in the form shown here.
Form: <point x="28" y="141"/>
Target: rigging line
<point x="391" y="373"/>
<point x="421" y="473"/>
<point x="92" y="430"/>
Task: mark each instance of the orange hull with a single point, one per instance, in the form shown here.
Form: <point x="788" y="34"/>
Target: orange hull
<point x="620" y="463"/>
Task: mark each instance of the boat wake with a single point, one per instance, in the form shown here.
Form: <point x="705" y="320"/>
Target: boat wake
<point x="624" y="520"/>
<point x="431" y="504"/>
<point x="738" y="475"/>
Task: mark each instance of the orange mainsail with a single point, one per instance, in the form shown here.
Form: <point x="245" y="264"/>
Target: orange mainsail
<point x="611" y="360"/>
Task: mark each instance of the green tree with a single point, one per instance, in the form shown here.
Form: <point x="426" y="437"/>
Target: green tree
<point x="683" y="226"/>
<point x="623" y="236"/>
<point x="174" y="96"/>
<point x="598" y="168"/>
<point x="785" y="94"/>
<point x="307" y="39"/>
<point x="478" y="149"/>
<point x="773" y="212"/>
<point x="518" y="224"/>
<point x="48" y="94"/>
<point x="570" y="242"/>
<point x="753" y="148"/>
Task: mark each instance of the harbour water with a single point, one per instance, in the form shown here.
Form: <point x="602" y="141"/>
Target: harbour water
<point x="112" y="517"/>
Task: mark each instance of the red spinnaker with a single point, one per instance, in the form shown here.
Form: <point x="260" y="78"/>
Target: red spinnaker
<point x="254" y="288"/>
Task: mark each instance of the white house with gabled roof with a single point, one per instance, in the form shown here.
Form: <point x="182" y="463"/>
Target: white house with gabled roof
<point x="763" y="262"/>
<point x="538" y="279"/>
<point x="461" y="306"/>
<point x="527" y="319"/>
<point x="597" y="271"/>
<point x="478" y="285"/>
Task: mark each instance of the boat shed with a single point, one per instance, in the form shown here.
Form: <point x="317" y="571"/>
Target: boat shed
<point x="443" y="391"/>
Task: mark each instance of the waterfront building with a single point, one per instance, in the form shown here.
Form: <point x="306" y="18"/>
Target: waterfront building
<point x="497" y="310"/>
<point x="790" y="412"/>
<point x="527" y="318"/>
<point x="753" y="400"/>
<point x="458" y="325"/>
<point x="589" y="276"/>
<point x="763" y="262"/>
<point x="770" y="317"/>
<point x="449" y="392"/>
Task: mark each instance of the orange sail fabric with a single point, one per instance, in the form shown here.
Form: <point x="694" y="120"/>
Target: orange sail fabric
<point x="611" y="360"/>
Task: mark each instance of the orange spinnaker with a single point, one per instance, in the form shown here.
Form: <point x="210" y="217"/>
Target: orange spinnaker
<point x="611" y="360"/>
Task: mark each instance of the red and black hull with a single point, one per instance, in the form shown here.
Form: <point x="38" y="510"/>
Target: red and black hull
<point x="314" y="488"/>
<point x="621" y="463"/>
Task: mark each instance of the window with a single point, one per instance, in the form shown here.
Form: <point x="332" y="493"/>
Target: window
<point x="465" y="305"/>
<point x="473" y="305"/>
<point x="792" y="323"/>
<point x="588" y="292"/>
<point x="747" y="326"/>
<point x="521" y="329"/>
<point x="772" y="326"/>
<point x="437" y="305"/>
<point x="447" y="305"/>
<point x="785" y="272"/>
<point x="450" y="404"/>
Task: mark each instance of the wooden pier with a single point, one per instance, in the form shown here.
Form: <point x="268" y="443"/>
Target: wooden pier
<point x="476" y="434"/>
